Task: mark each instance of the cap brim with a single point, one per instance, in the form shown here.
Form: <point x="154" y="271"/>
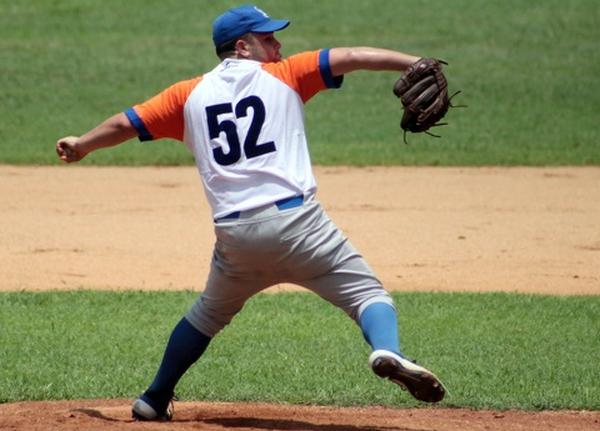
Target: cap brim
<point x="271" y="26"/>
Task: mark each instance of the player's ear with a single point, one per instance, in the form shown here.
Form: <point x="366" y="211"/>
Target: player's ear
<point x="243" y="47"/>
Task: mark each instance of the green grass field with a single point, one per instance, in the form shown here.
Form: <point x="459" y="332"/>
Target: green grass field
<point x="492" y="350"/>
<point x="528" y="71"/>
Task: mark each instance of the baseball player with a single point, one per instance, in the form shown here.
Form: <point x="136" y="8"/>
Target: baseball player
<point x="244" y="122"/>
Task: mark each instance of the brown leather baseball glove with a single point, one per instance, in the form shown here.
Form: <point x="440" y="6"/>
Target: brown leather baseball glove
<point x="423" y="91"/>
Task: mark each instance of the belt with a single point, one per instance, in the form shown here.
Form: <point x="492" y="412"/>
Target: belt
<point x="282" y="204"/>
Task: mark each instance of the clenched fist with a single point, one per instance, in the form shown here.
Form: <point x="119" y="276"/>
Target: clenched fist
<point x="70" y="150"/>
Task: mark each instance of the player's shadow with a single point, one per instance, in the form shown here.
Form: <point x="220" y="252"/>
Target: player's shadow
<point x="261" y="423"/>
<point x="96" y="414"/>
<point x="295" y="425"/>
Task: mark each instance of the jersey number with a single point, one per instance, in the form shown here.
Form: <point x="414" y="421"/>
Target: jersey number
<point x="251" y="147"/>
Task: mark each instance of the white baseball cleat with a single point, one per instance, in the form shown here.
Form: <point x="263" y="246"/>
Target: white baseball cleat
<point x="143" y="411"/>
<point x="420" y="382"/>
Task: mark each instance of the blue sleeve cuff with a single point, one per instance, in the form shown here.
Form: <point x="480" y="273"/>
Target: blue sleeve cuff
<point x="330" y="80"/>
<point x="139" y="125"/>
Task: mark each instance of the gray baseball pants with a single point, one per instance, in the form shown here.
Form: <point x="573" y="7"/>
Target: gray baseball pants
<point x="267" y="246"/>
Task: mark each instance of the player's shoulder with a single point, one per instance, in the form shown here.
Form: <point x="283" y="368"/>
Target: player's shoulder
<point x="178" y="92"/>
<point x="186" y="85"/>
<point x="293" y="68"/>
<point x="294" y="63"/>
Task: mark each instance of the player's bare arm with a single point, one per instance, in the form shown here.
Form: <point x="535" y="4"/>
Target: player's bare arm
<point x="113" y="131"/>
<point x="344" y="60"/>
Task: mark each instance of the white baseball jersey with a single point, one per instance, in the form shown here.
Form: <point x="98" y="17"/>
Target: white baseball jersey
<point x="244" y="122"/>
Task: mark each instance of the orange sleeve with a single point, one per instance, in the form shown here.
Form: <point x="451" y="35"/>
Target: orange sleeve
<point x="162" y="115"/>
<point x="307" y="73"/>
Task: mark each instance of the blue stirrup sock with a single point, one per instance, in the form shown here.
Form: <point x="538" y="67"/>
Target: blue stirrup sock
<point x="185" y="346"/>
<point x="380" y="327"/>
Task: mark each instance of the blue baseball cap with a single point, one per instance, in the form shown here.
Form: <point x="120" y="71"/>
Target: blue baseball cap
<point x="244" y="19"/>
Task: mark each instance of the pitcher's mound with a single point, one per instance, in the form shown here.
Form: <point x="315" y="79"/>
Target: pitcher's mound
<point x="99" y="415"/>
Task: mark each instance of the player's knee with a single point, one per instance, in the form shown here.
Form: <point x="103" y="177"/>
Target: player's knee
<point x="383" y="297"/>
<point x="209" y="320"/>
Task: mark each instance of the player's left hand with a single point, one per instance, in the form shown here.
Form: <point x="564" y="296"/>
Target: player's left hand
<point x="423" y="91"/>
<point x="69" y="149"/>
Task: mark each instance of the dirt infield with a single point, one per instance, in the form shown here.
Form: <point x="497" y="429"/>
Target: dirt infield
<point x="513" y="229"/>
<point x="115" y="415"/>
<point x="428" y="229"/>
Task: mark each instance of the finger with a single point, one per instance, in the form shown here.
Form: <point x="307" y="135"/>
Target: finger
<point x="60" y="152"/>
<point x="69" y="155"/>
<point x="65" y="153"/>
